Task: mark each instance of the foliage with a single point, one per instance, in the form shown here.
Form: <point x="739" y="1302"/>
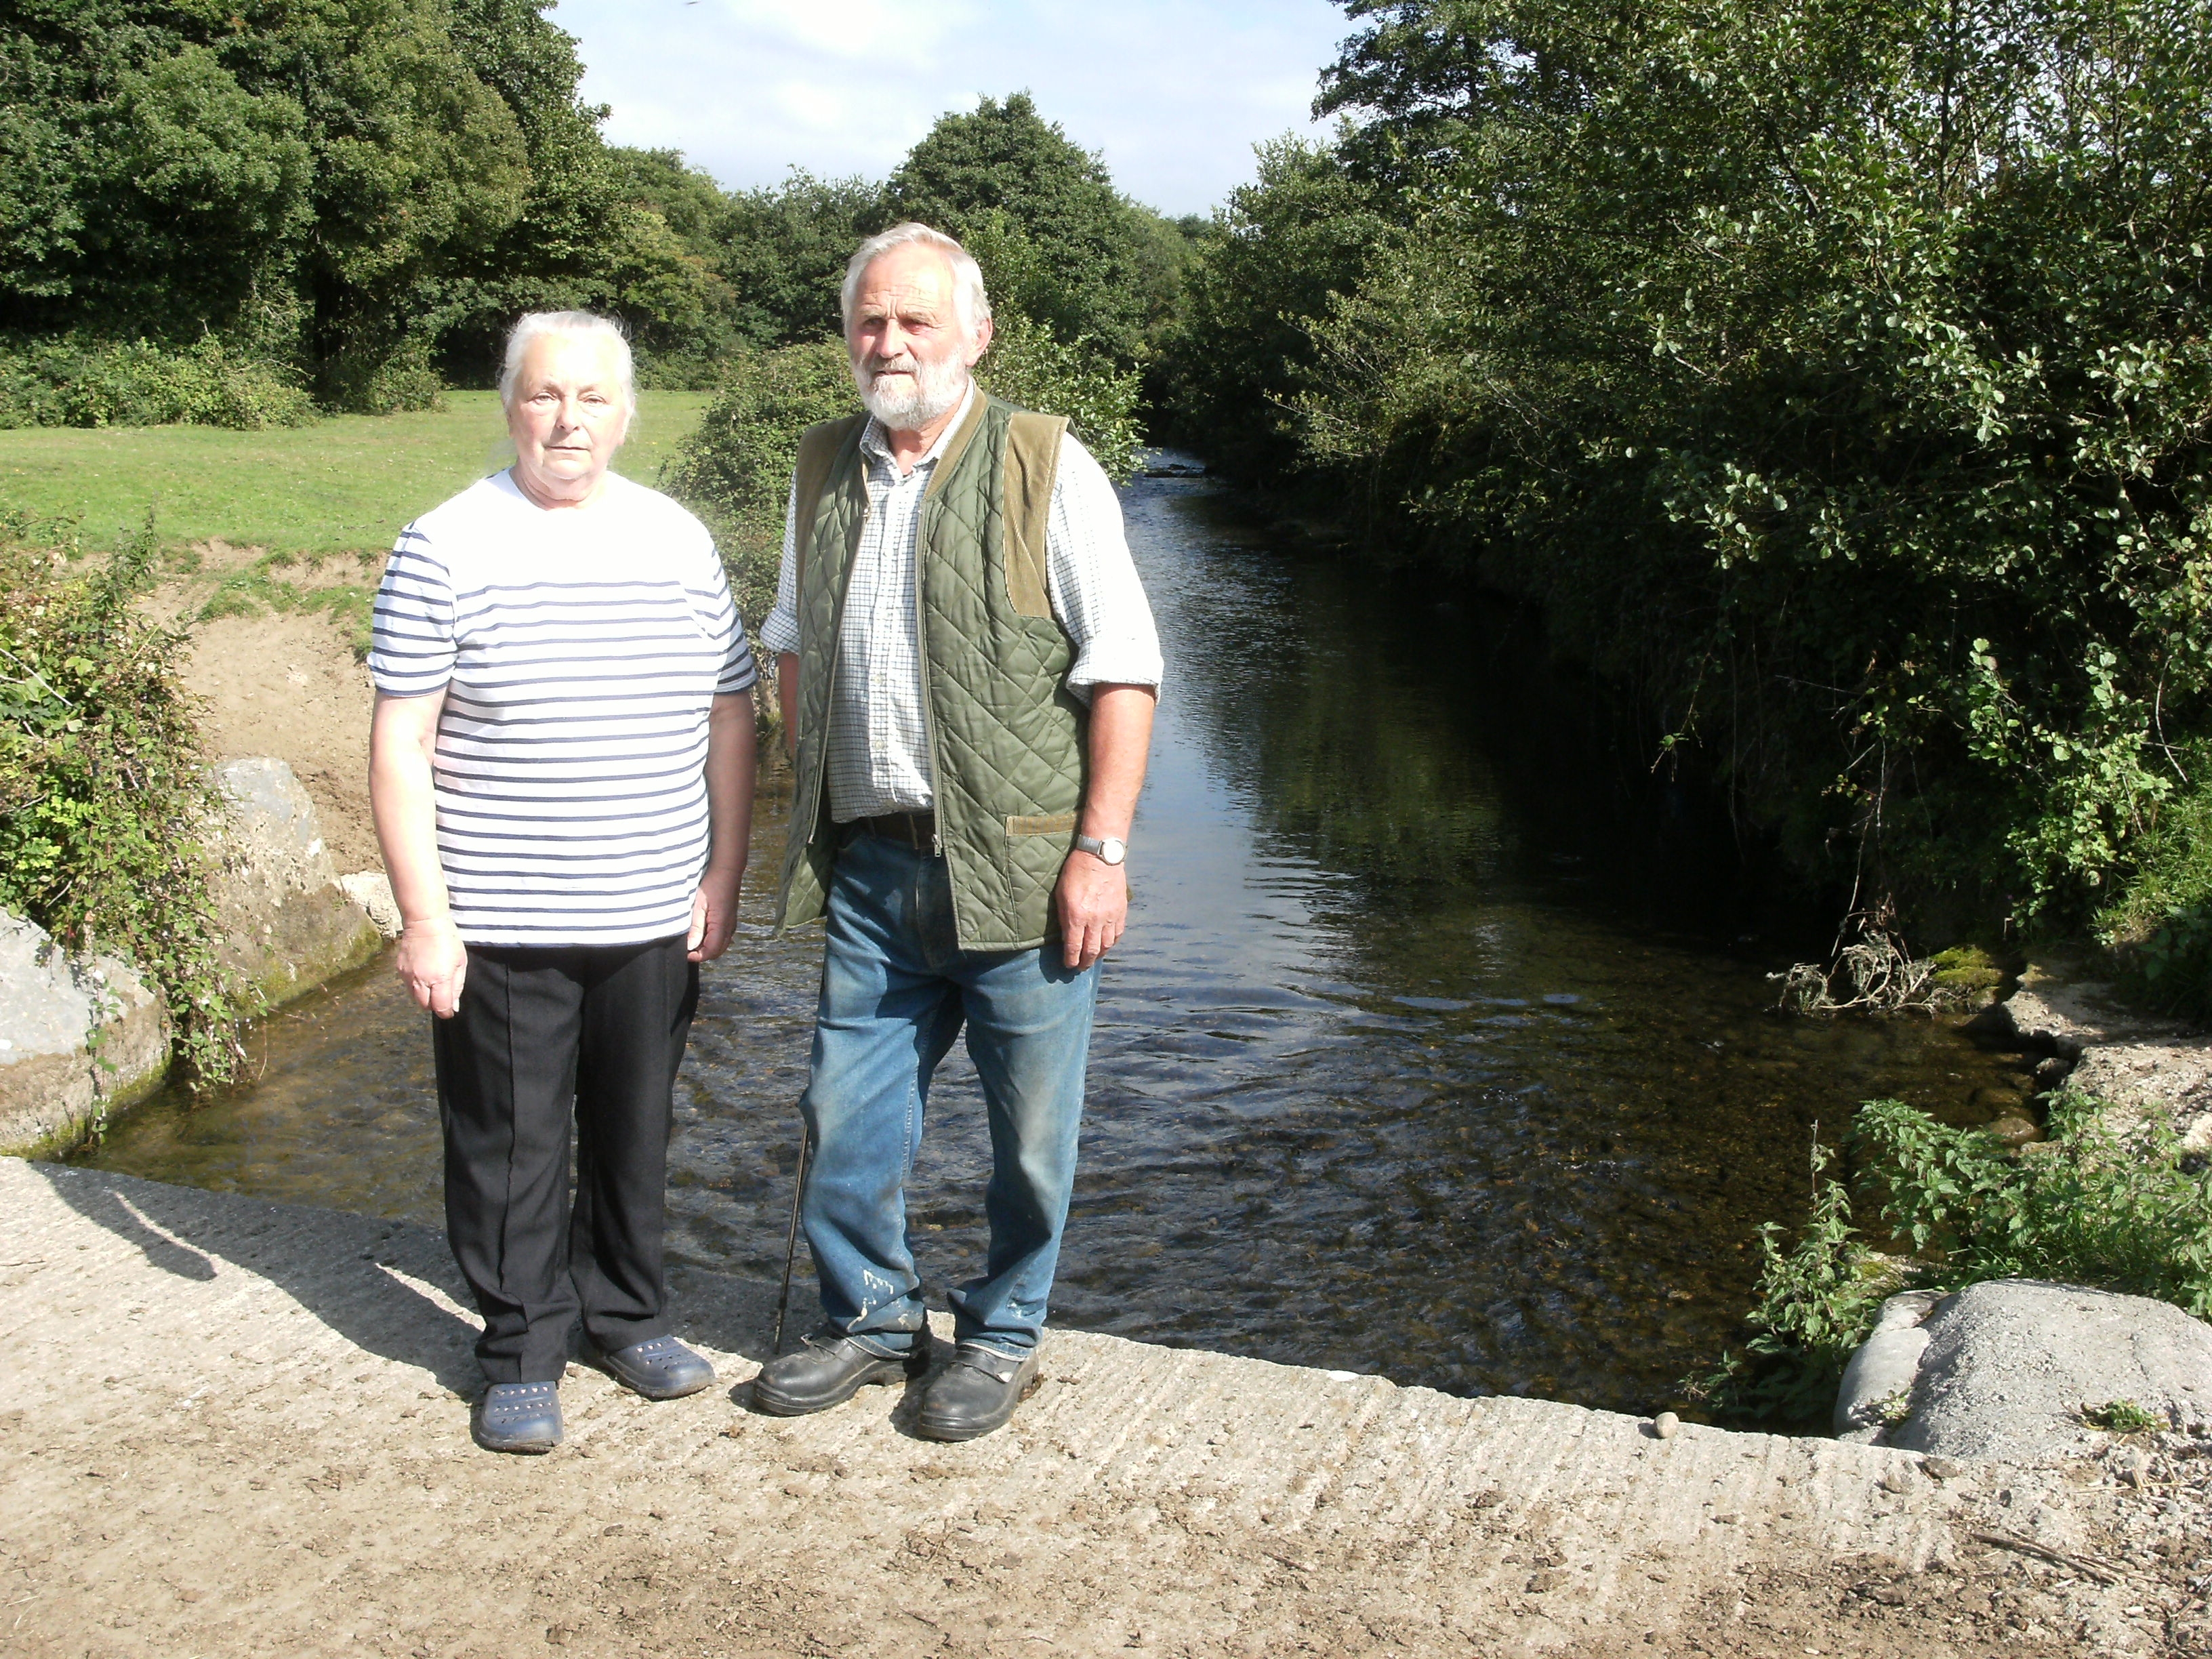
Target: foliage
<point x="2122" y="1417"/>
<point x="1284" y="251"/>
<point x="1817" y="1302"/>
<point x="103" y="797"/>
<point x="1835" y="374"/>
<point x="735" y="471"/>
<point x="66" y="380"/>
<point x="783" y="253"/>
<point x="367" y="189"/>
<point x="2120" y="1208"/>
<point x="2159" y="929"/>
<point x="1026" y="365"/>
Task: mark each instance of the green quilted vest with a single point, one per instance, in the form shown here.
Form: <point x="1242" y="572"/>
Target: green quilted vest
<point x="1005" y="737"/>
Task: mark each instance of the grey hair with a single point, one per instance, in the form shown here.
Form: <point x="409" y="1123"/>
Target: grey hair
<point x="567" y="325"/>
<point x="969" y="299"/>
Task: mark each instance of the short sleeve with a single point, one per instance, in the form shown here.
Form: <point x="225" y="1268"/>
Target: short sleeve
<point x="411" y="646"/>
<point x="717" y="615"/>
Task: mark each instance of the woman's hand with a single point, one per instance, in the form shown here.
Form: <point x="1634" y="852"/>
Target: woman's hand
<point x="713" y="914"/>
<point x="432" y="963"/>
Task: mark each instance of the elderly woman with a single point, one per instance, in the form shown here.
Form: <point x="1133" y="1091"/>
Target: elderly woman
<point x="561" y="767"/>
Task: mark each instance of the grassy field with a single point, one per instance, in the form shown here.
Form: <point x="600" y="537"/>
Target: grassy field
<point x="344" y="485"/>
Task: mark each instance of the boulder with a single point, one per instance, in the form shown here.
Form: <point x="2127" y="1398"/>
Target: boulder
<point x="286" y="924"/>
<point x="2008" y="1367"/>
<point x="1880" y="1375"/>
<point x="79" y="1037"/>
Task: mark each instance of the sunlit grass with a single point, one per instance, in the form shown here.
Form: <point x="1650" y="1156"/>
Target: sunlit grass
<point x="342" y="486"/>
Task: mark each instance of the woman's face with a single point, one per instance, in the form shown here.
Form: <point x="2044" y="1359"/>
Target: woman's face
<point x="568" y="416"/>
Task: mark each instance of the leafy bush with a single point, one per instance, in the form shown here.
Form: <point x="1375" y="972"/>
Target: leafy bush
<point x="103" y="795"/>
<point x="72" y="381"/>
<point x="2120" y="1209"/>
<point x="1026" y="365"/>
<point x="735" y="471"/>
<point x="2159" y="931"/>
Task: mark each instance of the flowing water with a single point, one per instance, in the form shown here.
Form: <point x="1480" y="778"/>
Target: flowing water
<point x="1434" y="1049"/>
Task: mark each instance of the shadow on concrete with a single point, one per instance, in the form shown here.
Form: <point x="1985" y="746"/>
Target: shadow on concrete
<point x="343" y="1269"/>
<point x="352" y="1272"/>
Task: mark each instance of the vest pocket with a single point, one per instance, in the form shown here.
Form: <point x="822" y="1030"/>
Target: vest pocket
<point x="1053" y="823"/>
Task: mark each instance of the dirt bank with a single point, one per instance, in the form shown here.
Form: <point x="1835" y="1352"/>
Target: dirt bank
<point x="229" y="1426"/>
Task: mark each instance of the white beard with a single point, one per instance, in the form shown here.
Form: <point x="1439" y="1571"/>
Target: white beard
<point x="936" y="390"/>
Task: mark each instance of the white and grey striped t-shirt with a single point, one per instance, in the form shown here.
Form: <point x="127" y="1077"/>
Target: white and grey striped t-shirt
<point x="580" y="650"/>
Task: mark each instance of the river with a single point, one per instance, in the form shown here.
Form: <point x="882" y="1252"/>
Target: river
<point x="1433" y="1050"/>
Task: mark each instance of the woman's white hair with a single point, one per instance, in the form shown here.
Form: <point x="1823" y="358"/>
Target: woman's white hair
<point x="969" y="299"/>
<point x="567" y="325"/>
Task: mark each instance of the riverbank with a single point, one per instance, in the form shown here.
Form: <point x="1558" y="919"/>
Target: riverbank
<point x="231" y="1426"/>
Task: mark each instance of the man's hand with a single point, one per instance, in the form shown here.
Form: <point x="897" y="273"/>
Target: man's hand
<point x="433" y="964"/>
<point x="713" y="914"/>
<point x="1091" y="901"/>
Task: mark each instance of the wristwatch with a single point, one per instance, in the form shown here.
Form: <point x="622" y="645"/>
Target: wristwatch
<point x="1110" y="850"/>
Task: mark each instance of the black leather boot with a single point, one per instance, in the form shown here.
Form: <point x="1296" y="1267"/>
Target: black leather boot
<point x="976" y="1392"/>
<point x="827" y="1368"/>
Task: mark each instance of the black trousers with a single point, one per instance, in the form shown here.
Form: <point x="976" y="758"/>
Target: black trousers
<point x="603" y="1027"/>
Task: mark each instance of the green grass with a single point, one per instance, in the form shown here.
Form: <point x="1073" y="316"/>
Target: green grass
<point x="342" y="486"/>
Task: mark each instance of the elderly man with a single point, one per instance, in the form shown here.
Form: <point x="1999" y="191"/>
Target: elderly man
<point x="969" y="669"/>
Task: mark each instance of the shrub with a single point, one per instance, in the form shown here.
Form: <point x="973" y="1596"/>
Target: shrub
<point x="1027" y="365"/>
<point x="2120" y="1209"/>
<point x="72" y="381"/>
<point x="103" y="796"/>
<point x="735" y="471"/>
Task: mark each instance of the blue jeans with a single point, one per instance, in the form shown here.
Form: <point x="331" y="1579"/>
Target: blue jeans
<point x="896" y="989"/>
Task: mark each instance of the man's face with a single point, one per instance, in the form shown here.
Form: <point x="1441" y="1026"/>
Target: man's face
<point x="911" y="353"/>
<point x="570" y="414"/>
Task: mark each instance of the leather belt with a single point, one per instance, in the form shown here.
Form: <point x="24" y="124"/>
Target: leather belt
<point x="914" y="830"/>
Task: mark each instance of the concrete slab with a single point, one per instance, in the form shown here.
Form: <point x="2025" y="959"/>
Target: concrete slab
<point x="230" y="1426"/>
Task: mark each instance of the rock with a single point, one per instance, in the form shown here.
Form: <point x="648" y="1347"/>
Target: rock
<point x="286" y="924"/>
<point x="2017" y="1130"/>
<point x="78" y="1038"/>
<point x="1943" y="1469"/>
<point x="2008" y="1366"/>
<point x="1882" y="1370"/>
<point x="1666" y="1426"/>
<point x="371" y="890"/>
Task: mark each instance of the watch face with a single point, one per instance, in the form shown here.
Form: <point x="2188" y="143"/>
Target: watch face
<point x="1113" y="850"/>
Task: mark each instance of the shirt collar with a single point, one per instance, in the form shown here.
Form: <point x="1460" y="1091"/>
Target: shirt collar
<point x="875" y="443"/>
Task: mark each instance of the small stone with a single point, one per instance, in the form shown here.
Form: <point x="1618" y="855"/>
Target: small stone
<point x="1666" y="1426"/>
<point x="1943" y="1469"/>
<point x="1539" y="1582"/>
<point x="1897" y="1481"/>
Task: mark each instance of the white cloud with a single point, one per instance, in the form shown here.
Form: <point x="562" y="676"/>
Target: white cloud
<point x="1173" y="93"/>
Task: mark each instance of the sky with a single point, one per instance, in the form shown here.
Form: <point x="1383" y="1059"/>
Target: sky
<point x="1174" y="93"/>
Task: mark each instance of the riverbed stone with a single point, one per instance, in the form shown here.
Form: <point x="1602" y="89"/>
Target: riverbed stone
<point x="79" y="1036"/>
<point x="285" y="923"/>
<point x="2009" y="1365"/>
